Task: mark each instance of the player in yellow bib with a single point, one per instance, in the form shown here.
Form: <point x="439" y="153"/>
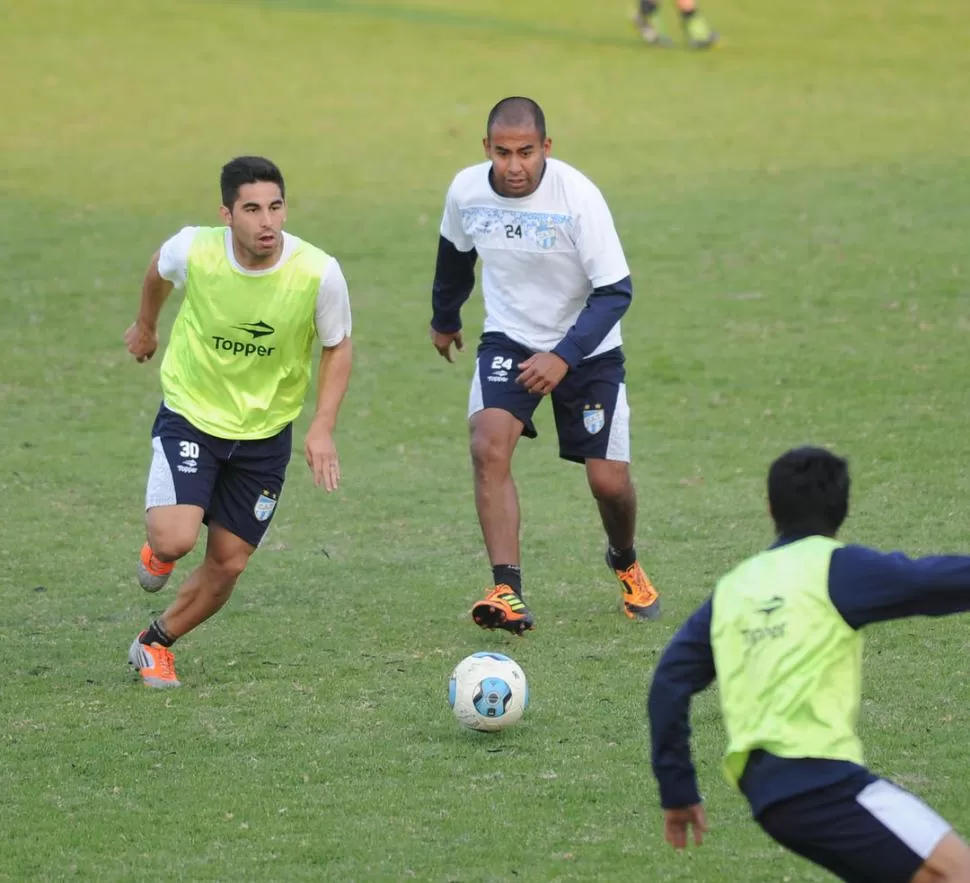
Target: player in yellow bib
<point x="234" y="377"/>
<point x="782" y="633"/>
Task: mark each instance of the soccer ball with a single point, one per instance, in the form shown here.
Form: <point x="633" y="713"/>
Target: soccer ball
<point x="488" y="691"/>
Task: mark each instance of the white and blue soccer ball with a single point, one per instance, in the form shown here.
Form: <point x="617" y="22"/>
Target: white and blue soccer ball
<point x="488" y="691"/>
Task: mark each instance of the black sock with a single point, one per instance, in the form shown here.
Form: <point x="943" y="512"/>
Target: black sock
<point x="647" y="7"/>
<point x="156" y="634"/>
<point x="621" y="559"/>
<point x="687" y="13"/>
<point x="508" y="575"/>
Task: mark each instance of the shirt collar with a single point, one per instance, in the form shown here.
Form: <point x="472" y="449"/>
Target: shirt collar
<point x="788" y="539"/>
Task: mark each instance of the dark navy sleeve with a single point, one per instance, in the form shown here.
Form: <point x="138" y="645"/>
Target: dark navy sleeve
<point x="454" y="279"/>
<point x="868" y="586"/>
<point x="685" y="668"/>
<point x="605" y="307"/>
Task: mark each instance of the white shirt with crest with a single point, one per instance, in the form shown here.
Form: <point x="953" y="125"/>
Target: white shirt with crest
<point x="541" y="254"/>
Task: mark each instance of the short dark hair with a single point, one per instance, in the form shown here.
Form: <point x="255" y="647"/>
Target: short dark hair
<point x="808" y="492"/>
<point x="517" y="111"/>
<point x="247" y="170"/>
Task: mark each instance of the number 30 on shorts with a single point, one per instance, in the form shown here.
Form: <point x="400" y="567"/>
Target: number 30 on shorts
<point x="189" y="449"/>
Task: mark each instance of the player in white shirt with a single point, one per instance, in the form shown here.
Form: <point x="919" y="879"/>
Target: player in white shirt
<point x="555" y="284"/>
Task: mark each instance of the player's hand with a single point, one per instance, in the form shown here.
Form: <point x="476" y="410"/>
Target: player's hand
<point x="141" y="341"/>
<point x="443" y="340"/>
<point x="542" y="373"/>
<point x="677" y="821"/>
<point x="321" y="456"/>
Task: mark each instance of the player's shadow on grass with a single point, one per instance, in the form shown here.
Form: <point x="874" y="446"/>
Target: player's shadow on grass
<point x="425" y="15"/>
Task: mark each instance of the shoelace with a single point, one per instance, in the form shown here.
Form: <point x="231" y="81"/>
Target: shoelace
<point x="637" y="580"/>
<point x="166" y="663"/>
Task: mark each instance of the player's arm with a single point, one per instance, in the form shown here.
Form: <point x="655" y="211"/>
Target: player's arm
<point x="868" y="586"/>
<point x="166" y="270"/>
<point x="685" y="668"/>
<point x="333" y="322"/>
<point x="604" y="308"/>
<point x="543" y="372"/>
<point x="141" y="338"/>
<point x="154" y="292"/>
<point x="454" y="278"/>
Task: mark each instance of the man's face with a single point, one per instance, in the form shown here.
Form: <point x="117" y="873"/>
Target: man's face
<point x="256" y="219"/>
<point x="518" y="156"/>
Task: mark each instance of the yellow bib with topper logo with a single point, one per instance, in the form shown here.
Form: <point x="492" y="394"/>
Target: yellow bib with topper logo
<point x="789" y="667"/>
<point x="239" y="360"/>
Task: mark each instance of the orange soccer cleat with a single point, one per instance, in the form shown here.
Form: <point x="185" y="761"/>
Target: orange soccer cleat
<point x="640" y="599"/>
<point x="502" y="608"/>
<point x="155" y="664"/>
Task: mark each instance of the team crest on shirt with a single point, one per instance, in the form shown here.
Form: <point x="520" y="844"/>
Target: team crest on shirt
<point x="265" y="505"/>
<point x="594" y="418"/>
<point x="546" y="236"/>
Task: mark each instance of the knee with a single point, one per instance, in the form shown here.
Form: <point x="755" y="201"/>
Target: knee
<point x="227" y="568"/>
<point x="609" y="480"/>
<point x="489" y="454"/>
<point x="172" y="543"/>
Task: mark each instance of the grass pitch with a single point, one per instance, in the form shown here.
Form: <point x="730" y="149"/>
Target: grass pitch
<point x="794" y="210"/>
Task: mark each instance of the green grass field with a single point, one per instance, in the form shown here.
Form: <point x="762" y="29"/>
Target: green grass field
<point x="794" y="207"/>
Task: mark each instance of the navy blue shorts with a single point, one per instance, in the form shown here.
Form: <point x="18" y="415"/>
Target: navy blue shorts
<point x="589" y="405"/>
<point x="237" y="483"/>
<point x="863" y="829"/>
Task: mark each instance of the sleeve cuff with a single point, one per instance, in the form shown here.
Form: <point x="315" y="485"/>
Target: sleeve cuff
<point x="447" y="325"/>
<point x="569" y="351"/>
<point x="680" y="792"/>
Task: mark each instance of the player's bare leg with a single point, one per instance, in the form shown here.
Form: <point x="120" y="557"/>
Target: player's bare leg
<point x="209" y="586"/>
<point x="616" y="497"/>
<point x="172" y="532"/>
<point x="203" y="593"/>
<point x="494" y="435"/>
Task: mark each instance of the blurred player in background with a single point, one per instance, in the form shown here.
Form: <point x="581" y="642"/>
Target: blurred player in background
<point x="782" y="635"/>
<point x="697" y="31"/>
<point x="234" y="378"/>
<point x="555" y="284"/>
